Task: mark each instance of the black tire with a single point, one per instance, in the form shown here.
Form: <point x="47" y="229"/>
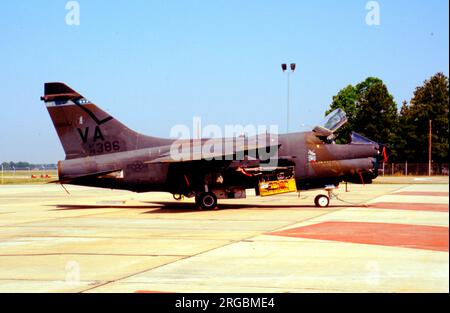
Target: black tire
<point x="206" y="200"/>
<point x="322" y="201"/>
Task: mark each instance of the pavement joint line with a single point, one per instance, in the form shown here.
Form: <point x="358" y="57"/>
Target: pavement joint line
<point x="197" y="254"/>
<point x="96" y="284"/>
<point x="266" y="287"/>
<point x="58" y="218"/>
<point x="205" y="231"/>
<point x="131" y="275"/>
<point x="46" y="280"/>
<point x="252" y="286"/>
<point x="6" y="239"/>
<point x="160" y="219"/>
<point x="181" y="259"/>
<point x="128" y="227"/>
<point x="93" y="254"/>
<point x="99" y="283"/>
<point x="138" y="227"/>
<point x="172" y="262"/>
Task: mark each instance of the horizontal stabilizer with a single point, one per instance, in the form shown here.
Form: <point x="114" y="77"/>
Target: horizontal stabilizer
<point x="70" y="178"/>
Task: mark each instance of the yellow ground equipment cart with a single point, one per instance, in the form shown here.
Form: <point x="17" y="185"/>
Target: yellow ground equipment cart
<point x="276" y="187"/>
<point x="281" y="180"/>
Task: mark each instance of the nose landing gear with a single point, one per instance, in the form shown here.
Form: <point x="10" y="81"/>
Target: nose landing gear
<point x="323" y="201"/>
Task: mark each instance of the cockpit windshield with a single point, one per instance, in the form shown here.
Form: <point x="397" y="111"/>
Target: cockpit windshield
<point x="358" y="139"/>
<point x="331" y="123"/>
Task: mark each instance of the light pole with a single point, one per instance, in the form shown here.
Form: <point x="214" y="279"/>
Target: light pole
<point x="2" y="172"/>
<point x="285" y="70"/>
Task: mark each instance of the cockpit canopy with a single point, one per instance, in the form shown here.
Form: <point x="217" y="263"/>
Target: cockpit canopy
<point x="358" y="139"/>
<point x="331" y="123"/>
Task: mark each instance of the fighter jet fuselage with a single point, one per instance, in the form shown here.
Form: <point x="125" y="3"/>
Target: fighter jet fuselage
<point x="102" y="152"/>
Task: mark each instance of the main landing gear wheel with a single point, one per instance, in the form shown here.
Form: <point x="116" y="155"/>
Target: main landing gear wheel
<point x="206" y="200"/>
<point x="322" y="201"/>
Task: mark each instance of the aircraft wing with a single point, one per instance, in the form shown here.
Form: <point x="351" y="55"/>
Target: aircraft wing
<point x="221" y="149"/>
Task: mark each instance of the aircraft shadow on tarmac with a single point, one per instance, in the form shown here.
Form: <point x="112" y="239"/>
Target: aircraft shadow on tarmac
<point x="174" y="207"/>
<point x="184" y="207"/>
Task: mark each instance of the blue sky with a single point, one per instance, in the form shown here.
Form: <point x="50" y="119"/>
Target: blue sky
<point x="154" y="64"/>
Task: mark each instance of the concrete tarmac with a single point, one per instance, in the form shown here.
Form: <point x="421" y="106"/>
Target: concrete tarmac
<point x="375" y="238"/>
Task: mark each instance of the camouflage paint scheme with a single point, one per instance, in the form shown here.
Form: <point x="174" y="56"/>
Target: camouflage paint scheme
<point x="102" y="152"/>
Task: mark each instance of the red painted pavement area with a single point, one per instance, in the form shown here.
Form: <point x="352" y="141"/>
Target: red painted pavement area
<point x="384" y="234"/>
<point x="431" y="207"/>
<point x="423" y="193"/>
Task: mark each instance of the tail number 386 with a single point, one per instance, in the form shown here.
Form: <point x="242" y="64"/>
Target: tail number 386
<point x="105" y="146"/>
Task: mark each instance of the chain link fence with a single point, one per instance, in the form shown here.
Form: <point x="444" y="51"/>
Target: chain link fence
<point x="412" y="169"/>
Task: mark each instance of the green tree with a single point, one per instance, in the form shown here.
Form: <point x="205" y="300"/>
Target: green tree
<point x="430" y="102"/>
<point x="23" y="165"/>
<point x="371" y="111"/>
<point x="400" y="142"/>
<point x="377" y="111"/>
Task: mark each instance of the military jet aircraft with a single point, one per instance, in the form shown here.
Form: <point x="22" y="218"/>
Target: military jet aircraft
<point x="102" y="152"/>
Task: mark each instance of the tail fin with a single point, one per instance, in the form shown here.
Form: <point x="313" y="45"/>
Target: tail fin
<point x="86" y="130"/>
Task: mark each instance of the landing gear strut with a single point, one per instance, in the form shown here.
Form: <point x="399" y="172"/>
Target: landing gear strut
<point x="206" y="200"/>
